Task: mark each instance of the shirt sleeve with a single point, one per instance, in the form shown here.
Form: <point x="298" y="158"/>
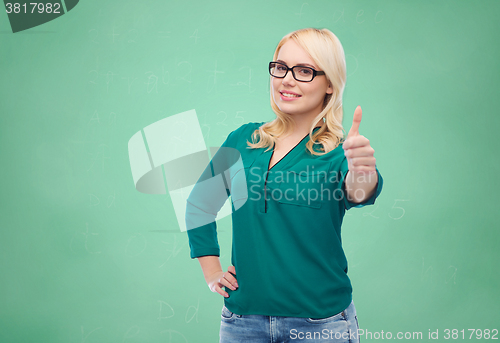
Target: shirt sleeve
<point x="344" y="168"/>
<point x="204" y="202"/>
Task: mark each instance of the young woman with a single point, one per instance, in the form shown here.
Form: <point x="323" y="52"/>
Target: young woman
<point x="288" y="279"/>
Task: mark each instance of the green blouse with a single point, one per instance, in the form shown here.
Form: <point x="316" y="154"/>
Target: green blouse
<point x="286" y="246"/>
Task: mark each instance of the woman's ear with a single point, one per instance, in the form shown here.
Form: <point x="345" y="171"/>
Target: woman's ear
<point x="329" y="90"/>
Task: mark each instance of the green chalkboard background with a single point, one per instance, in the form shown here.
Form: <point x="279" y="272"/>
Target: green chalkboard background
<point x="86" y="257"/>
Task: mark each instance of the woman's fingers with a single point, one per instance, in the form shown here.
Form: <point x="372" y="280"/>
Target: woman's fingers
<point x="359" y="152"/>
<point x="221" y="291"/>
<point x="229" y="281"/>
<point x="355" y="142"/>
<point x="363" y="161"/>
<point x="230" y="277"/>
<point x="226" y="283"/>
<point x="224" y="279"/>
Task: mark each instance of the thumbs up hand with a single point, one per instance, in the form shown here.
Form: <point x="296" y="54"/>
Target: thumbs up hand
<point x="357" y="148"/>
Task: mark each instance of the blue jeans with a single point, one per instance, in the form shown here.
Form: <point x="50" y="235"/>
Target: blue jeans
<point x="340" y="328"/>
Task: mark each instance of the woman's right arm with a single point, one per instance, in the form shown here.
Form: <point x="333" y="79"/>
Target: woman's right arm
<point x="215" y="277"/>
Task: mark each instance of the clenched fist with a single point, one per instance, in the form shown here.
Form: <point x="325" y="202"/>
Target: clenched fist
<point x="357" y="148"/>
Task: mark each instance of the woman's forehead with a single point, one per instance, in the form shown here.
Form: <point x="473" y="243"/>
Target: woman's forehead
<point x="292" y="54"/>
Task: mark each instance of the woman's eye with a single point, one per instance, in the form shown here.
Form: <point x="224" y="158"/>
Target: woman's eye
<point x="305" y="71"/>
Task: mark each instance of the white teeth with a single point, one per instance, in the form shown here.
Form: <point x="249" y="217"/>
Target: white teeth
<point x="290" y="95"/>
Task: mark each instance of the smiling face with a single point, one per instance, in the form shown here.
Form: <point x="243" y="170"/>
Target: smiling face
<point x="309" y="98"/>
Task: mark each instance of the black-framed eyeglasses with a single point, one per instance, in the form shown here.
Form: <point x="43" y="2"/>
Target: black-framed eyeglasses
<point x="300" y="73"/>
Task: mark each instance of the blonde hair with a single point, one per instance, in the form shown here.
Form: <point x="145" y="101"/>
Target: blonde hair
<point x="327" y="52"/>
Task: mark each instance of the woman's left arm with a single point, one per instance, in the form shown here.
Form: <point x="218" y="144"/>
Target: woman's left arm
<point x="362" y="178"/>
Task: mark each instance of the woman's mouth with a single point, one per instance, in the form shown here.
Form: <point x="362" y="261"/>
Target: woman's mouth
<point x="287" y="96"/>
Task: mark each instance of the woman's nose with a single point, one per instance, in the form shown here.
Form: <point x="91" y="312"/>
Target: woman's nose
<point x="288" y="79"/>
